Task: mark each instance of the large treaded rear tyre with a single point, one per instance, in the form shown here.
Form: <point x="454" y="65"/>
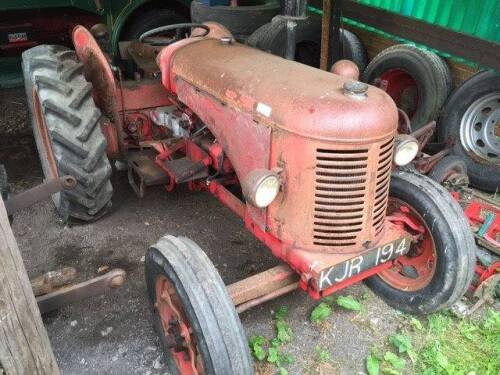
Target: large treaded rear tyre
<point x="188" y="297"/>
<point x="446" y="230"/>
<point x="66" y="128"/>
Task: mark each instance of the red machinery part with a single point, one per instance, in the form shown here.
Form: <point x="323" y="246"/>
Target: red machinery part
<point x="422" y="258"/>
<point x="488" y="226"/>
<point x="484" y="273"/>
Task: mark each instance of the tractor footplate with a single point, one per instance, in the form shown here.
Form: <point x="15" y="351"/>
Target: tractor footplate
<point x="185" y="170"/>
<point x="143" y="172"/>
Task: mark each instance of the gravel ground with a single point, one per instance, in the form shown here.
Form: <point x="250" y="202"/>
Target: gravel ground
<point x="111" y="334"/>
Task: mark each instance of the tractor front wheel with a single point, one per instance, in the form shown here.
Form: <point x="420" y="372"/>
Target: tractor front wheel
<point x="66" y="127"/>
<point x="193" y="314"/>
<point x="439" y="267"/>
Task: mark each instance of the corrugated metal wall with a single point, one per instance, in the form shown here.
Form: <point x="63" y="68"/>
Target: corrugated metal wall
<point x="475" y="17"/>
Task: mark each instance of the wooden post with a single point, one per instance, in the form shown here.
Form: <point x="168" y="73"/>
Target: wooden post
<point x="24" y="344"/>
<point x="325" y="34"/>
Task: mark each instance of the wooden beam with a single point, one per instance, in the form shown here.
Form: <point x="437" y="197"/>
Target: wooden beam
<point x="24" y="344"/>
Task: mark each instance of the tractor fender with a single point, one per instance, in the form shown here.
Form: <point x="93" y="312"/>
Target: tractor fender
<point x="116" y="23"/>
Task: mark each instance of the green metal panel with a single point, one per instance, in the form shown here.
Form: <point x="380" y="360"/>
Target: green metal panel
<point x="480" y="18"/>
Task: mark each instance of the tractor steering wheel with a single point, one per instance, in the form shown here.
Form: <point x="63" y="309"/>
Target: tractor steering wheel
<point x="152" y="36"/>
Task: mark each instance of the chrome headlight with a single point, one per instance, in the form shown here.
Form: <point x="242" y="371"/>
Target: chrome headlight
<point x="405" y="150"/>
<point x="261" y="187"/>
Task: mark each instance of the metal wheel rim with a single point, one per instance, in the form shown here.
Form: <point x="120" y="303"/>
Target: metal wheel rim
<point x="403" y="89"/>
<point x="424" y="262"/>
<point x="480" y="129"/>
<point x="169" y="307"/>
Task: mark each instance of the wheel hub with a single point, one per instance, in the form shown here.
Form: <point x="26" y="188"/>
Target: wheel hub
<point x="178" y="334"/>
<point x="416" y="269"/>
<point x="480" y="129"/>
<point x="402" y="88"/>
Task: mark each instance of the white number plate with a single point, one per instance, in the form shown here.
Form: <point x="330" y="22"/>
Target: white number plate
<point x="17" y="37"/>
<point x="354" y="266"/>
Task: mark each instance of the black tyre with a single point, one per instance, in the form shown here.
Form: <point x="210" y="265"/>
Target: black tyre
<point x="439" y="267"/>
<point x="271" y="38"/>
<point x="353" y="49"/>
<point x="186" y="291"/>
<point x="470" y="122"/>
<point x="448" y="167"/>
<point x="66" y="128"/>
<point x="418" y="81"/>
<point x="148" y="20"/>
<point x="241" y="20"/>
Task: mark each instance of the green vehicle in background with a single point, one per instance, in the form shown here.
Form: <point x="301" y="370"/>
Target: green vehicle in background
<point x="27" y="23"/>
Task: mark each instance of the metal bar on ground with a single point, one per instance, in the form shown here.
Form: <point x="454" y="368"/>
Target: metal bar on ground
<point x="73" y="293"/>
<point x="38" y="193"/>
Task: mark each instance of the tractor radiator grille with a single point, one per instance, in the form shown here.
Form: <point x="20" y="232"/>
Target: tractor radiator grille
<point x="382" y="186"/>
<point x="342" y="194"/>
<point x="341" y="177"/>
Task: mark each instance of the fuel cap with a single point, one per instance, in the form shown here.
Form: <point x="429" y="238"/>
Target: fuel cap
<point x="226" y="40"/>
<point x="356" y="89"/>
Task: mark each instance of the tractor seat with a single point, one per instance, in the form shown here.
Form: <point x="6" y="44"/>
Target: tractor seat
<point x="144" y="55"/>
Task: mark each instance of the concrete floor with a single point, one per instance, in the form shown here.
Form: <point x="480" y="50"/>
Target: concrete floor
<point x="112" y="334"/>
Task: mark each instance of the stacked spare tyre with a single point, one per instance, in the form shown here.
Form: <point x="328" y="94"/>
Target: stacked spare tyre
<point x="240" y="20"/>
<point x="420" y="83"/>
<point x="271" y="38"/>
<point x="470" y="124"/>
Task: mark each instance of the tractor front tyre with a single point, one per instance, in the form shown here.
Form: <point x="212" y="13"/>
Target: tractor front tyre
<point x="66" y="128"/>
<point x="192" y="312"/>
<point x="438" y="269"/>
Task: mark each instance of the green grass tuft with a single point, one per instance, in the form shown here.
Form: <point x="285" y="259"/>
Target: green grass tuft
<point x="460" y="347"/>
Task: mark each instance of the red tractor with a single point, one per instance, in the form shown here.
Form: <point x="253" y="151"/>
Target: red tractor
<point x="311" y="162"/>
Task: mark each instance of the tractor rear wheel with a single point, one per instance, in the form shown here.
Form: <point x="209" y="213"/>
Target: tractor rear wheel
<point x="439" y="267"/>
<point x="193" y="314"/>
<point x="66" y="128"/>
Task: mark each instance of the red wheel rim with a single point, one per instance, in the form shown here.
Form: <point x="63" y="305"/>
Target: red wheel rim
<point x="402" y="88"/>
<point x="178" y="333"/>
<point x="416" y="269"/>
